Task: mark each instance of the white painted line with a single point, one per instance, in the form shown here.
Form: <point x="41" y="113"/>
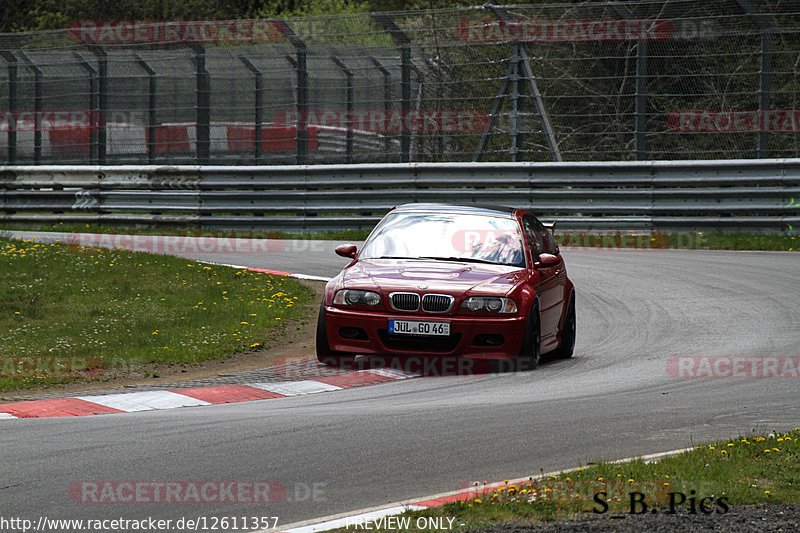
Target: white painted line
<point x="350" y="520"/>
<point x="144" y="401"/>
<point x="393" y="373"/>
<point x="310" y="277"/>
<point x="257" y="269"/>
<point x="295" y="388"/>
<point x="7" y="415"/>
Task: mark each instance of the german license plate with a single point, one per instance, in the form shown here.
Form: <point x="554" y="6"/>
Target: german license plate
<point x="413" y="327"/>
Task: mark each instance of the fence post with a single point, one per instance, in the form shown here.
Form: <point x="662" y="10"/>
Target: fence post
<point x="203" y="121"/>
<point x="12" y="105"/>
<point x="525" y="68"/>
<point x="259" y="104"/>
<point x="37" y="107"/>
<point x="102" y="101"/>
<point x="640" y="99"/>
<point x="405" y="79"/>
<point x="93" y="104"/>
<point x="387" y="97"/>
<point x="301" y="67"/>
<point x="349" y="106"/>
<point x="151" y="108"/>
<point x="640" y="106"/>
<point x="764" y="73"/>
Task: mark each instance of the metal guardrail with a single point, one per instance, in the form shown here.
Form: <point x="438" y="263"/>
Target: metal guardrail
<point x="749" y="195"/>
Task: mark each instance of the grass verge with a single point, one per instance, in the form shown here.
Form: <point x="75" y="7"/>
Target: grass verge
<point x="68" y="313"/>
<point x="588" y="239"/>
<point x="709" y="479"/>
<point x="351" y="235"/>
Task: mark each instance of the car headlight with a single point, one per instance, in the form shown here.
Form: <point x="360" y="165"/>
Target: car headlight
<point x="492" y="304"/>
<point x="357" y="297"/>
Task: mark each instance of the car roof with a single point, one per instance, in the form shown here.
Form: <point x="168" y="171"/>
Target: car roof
<point x="502" y="211"/>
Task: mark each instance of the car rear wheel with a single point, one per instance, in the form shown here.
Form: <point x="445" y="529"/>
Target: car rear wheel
<point x="567" y="346"/>
<point x="531" y="344"/>
<point x="325" y="355"/>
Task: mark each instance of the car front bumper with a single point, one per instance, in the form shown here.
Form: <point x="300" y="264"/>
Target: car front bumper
<point x="470" y="336"/>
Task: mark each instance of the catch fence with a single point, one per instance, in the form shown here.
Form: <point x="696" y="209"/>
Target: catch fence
<point x="645" y="80"/>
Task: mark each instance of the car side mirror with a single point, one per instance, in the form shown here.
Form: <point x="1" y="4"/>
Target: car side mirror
<point x="347" y="250"/>
<point x="547" y="260"/>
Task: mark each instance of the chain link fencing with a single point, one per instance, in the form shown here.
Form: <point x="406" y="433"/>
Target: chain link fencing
<point x="647" y="80"/>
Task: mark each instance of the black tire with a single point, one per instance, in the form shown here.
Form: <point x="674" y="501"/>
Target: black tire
<point x="531" y="351"/>
<point x="567" y="346"/>
<point x="325" y="355"/>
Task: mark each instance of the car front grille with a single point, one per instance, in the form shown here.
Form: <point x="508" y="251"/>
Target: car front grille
<point x="437" y="303"/>
<point x="417" y="343"/>
<point x="404" y="301"/>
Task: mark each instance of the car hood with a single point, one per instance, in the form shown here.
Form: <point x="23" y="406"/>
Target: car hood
<point x="449" y="277"/>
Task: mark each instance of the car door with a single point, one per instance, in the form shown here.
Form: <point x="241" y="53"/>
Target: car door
<point x="551" y="281"/>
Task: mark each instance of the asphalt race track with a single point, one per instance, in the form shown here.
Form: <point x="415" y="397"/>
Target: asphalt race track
<point x="369" y="446"/>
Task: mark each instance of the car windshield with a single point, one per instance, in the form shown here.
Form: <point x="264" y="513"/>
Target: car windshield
<point x="447" y="237"/>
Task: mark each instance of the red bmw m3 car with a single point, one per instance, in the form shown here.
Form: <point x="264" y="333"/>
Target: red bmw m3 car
<point x="444" y="280"/>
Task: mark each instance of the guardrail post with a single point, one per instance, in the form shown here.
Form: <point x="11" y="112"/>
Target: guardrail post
<point x="203" y="105"/>
<point x="259" y="104"/>
<point x="12" y="105"/>
<point x="151" y="107"/>
<point x="405" y="79"/>
<point x="349" y="106"/>
<point x="387" y="95"/>
<point x="93" y="105"/>
<point x="301" y="68"/>
<point x="37" y="107"/>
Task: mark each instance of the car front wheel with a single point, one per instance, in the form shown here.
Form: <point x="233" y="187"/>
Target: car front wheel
<point x="567" y="346"/>
<point x="325" y="355"/>
<point x="531" y="344"/>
